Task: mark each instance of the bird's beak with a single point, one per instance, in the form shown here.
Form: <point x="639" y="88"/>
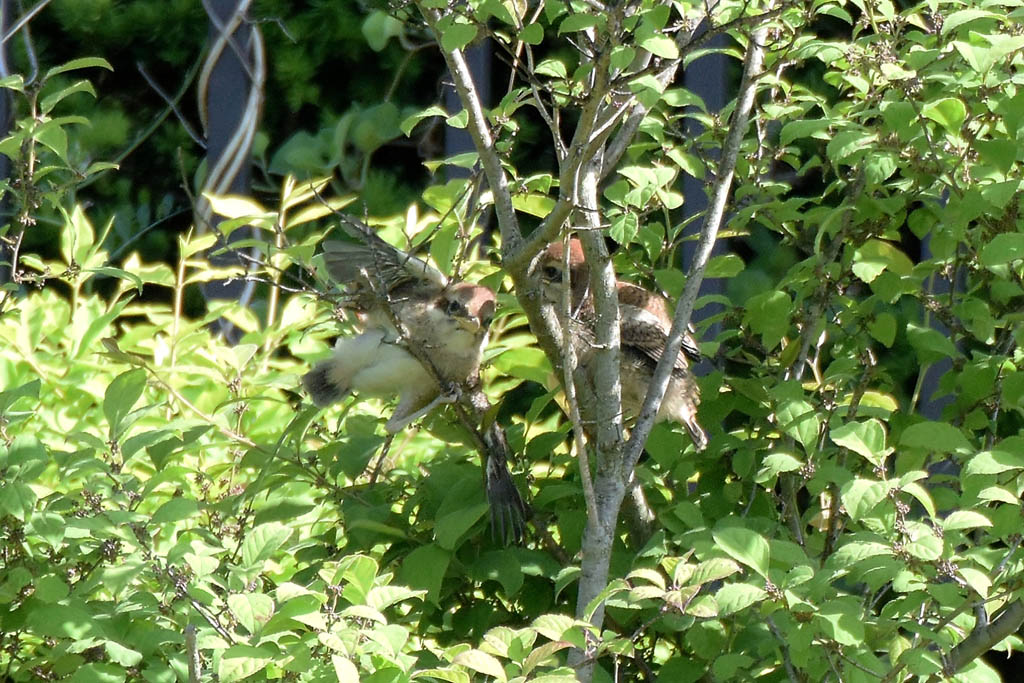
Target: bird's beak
<point x="470" y="324"/>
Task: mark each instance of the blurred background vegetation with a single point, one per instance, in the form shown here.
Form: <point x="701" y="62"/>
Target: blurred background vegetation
<point x="332" y="100"/>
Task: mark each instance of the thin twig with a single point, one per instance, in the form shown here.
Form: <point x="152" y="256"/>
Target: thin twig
<point x="709" y="232"/>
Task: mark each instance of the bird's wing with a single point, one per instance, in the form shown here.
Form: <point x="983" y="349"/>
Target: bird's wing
<point x="352" y="262"/>
<point x="644" y="333"/>
<point x="636" y="296"/>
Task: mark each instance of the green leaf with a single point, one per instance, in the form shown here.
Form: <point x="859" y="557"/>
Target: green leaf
<point x="14" y="82"/>
<point x="624" y="227"/>
<point x="726" y="265"/>
<point x="481" y="662"/>
<point x="121" y="396"/>
<point x="860" y="496"/>
<point x="1003" y="248"/>
<point x="457" y="36"/>
<point x="842" y="621"/>
<point x="48" y="526"/>
<point x="175" y="510"/>
<point x="745" y="546"/>
<point x="715" y="569"/>
<point x="262" y="542"/>
<point x="930" y="344"/>
<point x="345" y="670"/>
<point x="81" y="63"/>
<point x="501" y="566"/>
<point x="768" y="314"/>
<point x="659" y="45"/>
<point x="533" y="203"/>
<point x="9" y="397"/>
<point x="776" y="463"/>
<point x="236" y="206"/>
<point x="923" y="543"/>
<point x="47" y="104"/>
<point x="119" y="654"/>
<point x="995" y="461"/>
<point x="50" y="588"/>
<point x="938" y="437"/>
<point x="875" y="256"/>
<point x="566" y="576"/>
<point x="965" y="519"/>
<point x="532" y="34"/>
<point x="866" y="439"/>
<point x="962" y="17"/>
<point x="734" y="597"/>
<point x="850" y="145"/>
<point x="17" y="498"/>
<point x="70" y="620"/>
<point x="424" y="569"/>
<point x="804" y="128"/>
<point x="552" y="626"/>
<point x="242" y="661"/>
<point x="800" y="420"/>
<point x="883" y="328"/>
<point x="452" y="526"/>
<point x="622" y="57"/>
<point x="921" y="494"/>
<point x="579" y="22"/>
<point x="252" y="610"/>
<point x="380" y="27"/>
<point x="552" y="67"/>
<point x="97" y="672"/>
<point x="851" y="553"/>
<point x="526" y="362"/>
<point x="949" y="112"/>
<point x="647" y="89"/>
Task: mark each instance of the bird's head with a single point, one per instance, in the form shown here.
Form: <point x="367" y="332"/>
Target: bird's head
<point x="550" y="268"/>
<point x="470" y="306"/>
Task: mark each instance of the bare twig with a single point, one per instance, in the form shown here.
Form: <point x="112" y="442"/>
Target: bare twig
<point x="194" y="670"/>
<point x="483" y="139"/>
<point x="709" y="232"/>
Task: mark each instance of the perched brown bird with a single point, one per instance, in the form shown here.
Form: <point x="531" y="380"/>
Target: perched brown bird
<point x="644" y="325"/>
<point x="401" y="301"/>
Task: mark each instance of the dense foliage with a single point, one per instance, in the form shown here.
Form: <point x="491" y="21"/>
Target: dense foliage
<point x="164" y="495"/>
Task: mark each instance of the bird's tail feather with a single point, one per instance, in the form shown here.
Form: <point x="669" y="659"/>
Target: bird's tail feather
<point x="321" y="387"/>
<point x="509" y="511"/>
<point x="700" y="439"/>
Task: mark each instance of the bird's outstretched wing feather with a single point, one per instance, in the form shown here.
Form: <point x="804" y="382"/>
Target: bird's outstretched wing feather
<point x="349" y="262"/>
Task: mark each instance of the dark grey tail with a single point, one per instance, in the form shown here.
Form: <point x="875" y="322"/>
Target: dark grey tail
<point x="509" y="511"/>
<point x="321" y="389"/>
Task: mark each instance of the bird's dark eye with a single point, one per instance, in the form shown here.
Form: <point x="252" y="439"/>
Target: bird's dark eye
<point x="552" y="273"/>
<point x="455" y="308"/>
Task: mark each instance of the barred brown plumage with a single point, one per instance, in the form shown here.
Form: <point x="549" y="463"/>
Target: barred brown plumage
<point x="644" y="325"/>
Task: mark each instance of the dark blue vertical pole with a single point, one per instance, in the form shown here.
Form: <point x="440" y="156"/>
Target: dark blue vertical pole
<point x="227" y="97"/>
<point x="707" y="78"/>
<point x="6" y="121"/>
<point x="457" y="140"/>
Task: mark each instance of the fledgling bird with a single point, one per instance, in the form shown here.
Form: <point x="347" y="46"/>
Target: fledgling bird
<point x="644" y="325"/>
<point x="401" y="301"/>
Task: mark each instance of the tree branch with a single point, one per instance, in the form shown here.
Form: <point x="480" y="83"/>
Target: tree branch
<point x="483" y="140"/>
<point x="709" y="232"/>
<point x="983" y="639"/>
